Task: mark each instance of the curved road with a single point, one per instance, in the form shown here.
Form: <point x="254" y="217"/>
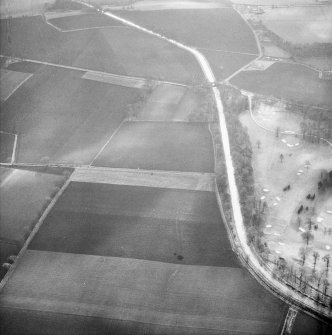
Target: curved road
<point x="256" y="269"/>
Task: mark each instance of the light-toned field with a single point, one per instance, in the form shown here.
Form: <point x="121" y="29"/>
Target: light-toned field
<point x="301" y="24"/>
<point x="115" y="80"/>
<point x="160" y="179"/>
<point x="220" y="300"/>
<point x="168" y="103"/>
<point x="10" y="81"/>
<point x="175" y="4"/>
<point x="17" y="8"/>
<point x="271" y="176"/>
<point x="271" y="50"/>
<point x="27" y="191"/>
<point x="167" y="146"/>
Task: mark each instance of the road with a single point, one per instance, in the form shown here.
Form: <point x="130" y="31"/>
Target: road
<point x="258" y="271"/>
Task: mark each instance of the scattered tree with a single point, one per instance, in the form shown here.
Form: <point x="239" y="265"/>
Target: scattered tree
<point x="315" y="255"/>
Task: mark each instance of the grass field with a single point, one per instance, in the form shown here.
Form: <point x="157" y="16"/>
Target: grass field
<point x="160" y="146"/>
<point x="114" y="50"/>
<point x="63" y="117"/>
<point x="167" y="225"/>
<point x="83" y="21"/>
<point x="6" y="147"/>
<point x="161" y="296"/>
<point x="282" y="231"/>
<point x="205" y="28"/>
<point x="287" y="81"/>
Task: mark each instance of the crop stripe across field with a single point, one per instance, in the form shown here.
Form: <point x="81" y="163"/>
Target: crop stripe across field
<point x="229" y="51"/>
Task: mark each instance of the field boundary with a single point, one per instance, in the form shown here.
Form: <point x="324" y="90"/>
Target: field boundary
<point x="17" y="87"/>
<point x="32" y="234"/>
<point x="75" y="68"/>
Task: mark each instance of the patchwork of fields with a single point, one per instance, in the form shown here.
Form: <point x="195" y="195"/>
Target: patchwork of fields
<point x="57" y="115"/>
<point x="114" y="50"/>
<point x="123" y="257"/>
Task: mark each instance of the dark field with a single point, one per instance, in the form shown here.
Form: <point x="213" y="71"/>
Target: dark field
<point x="164" y="297"/>
<point x="287" y="81"/>
<point x="114" y="50"/>
<point x="174" y="226"/>
<point x="83" y="21"/>
<point x="160" y="146"/>
<point x="6" y="147"/>
<point x="307" y="325"/>
<point x="63" y="117"/>
<point x="27" y="67"/>
<point x="204" y="28"/>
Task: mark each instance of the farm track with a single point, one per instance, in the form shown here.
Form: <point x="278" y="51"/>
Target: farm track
<point x="145" y="178"/>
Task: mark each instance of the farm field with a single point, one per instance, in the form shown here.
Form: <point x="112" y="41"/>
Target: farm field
<point x="160" y="146"/>
<point x="301" y="24"/>
<point x="10" y="81"/>
<point x="183" y="297"/>
<point x="83" y="21"/>
<point x="58" y="115"/>
<point x="224" y="64"/>
<point x="287" y="81"/>
<point x="282" y="231"/>
<point x="167" y="225"/>
<point x="306" y="325"/>
<point x="169" y="103"/>
<point x="6" y="147"/>
<point x="204" y="28"/>
<point x="174" y="4"/>
<point x="113" y="50"/>
<point x="28" y="191"/>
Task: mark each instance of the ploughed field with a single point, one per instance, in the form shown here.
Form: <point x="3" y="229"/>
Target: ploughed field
<point x="167" y="225"/>
<point x="135" y="260"/>
<point x="287" y="81"/>
<point x="116" y="50"/>
<point x="179" y="146"/>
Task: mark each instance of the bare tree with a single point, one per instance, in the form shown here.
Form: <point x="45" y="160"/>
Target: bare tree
<point x="315" y="255"/>
<point x="326" y="259"/>
<point x="303" y="254"/>
<point x="307" y="237"/>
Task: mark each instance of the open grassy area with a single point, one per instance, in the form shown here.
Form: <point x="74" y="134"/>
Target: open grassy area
<point x="160" y="146"/>
<point x="63" y="117"/>
<point x="205" y="28"/>
<point x="114" y="50"/>
<point x="90" y="20"/>
<point x="167" y="225"/>
<point x="283" y="230"/>
<point x="161" y="296"/>
<point x="287" y="81"/>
